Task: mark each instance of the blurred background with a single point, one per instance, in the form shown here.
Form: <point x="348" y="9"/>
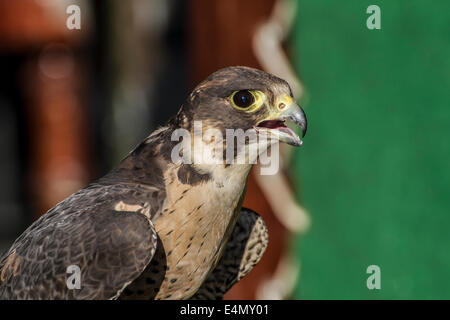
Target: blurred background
<point x="370" y="185"/>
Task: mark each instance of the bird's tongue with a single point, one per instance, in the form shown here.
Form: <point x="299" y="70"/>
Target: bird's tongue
<point x="277" y="125"/>
<point x="272" y="124"/>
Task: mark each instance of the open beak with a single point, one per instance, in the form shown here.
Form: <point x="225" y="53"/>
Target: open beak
<point x="275" y="124"/>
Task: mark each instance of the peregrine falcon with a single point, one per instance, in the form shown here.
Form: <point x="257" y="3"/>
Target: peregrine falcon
<point x="155" y="228"/>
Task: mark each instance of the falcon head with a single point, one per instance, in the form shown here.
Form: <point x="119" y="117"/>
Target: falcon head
<point x="244" y="98"/>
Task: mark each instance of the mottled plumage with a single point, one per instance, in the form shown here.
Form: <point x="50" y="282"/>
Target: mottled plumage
<point x="153" y="228"/>
<point x="243" y="251"/>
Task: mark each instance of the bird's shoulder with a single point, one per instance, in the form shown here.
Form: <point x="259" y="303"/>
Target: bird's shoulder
<point x="104" y="230"/>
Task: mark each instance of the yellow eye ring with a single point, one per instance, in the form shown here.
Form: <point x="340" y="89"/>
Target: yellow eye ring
<point x="247" y="100"/>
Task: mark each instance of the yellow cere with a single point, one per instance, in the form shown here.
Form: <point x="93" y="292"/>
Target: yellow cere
<point x="286" y="99"/>
<point x="276" y="111"/>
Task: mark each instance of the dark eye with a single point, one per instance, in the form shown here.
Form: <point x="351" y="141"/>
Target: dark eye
<point x="243" y="99"/>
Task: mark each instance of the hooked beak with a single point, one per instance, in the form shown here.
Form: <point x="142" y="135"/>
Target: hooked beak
<point x="275" y="123"/>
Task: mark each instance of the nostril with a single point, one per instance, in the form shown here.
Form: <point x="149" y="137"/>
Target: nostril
<point x="281" y="106"/>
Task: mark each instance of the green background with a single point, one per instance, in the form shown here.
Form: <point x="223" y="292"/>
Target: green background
<point x="375" y="166"/>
